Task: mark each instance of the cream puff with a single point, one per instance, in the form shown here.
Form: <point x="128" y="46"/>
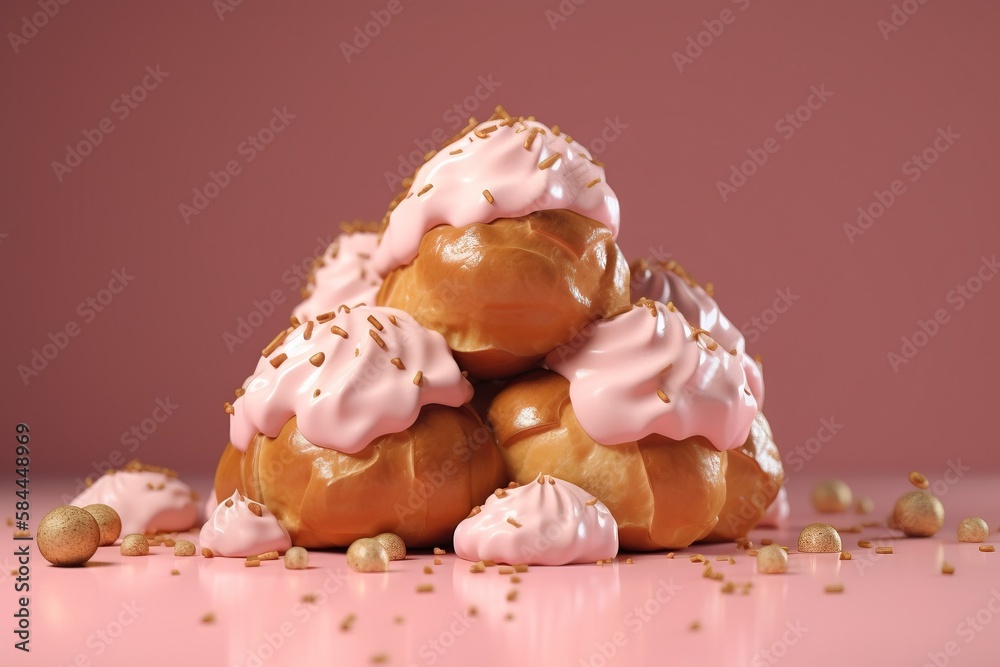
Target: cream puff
<point x="505" y="244"/>
<point x="343" y="274"/>
<point x="357" y="423"/>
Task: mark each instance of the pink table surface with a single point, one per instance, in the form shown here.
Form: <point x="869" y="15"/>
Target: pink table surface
<point x="895" y="609"/>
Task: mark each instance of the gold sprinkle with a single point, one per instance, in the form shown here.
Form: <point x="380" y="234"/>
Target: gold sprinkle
<point x="317" y="359"/>
<point x="918" y="480"/>
<point x="255" y="508"/>
<point x="325" y="317"/>
<point x="521" y="567"/>
<point x="512" y="595"/>
<point x="392" y="320"/>
<point x="505" y="570"/>
<point x="206" y="552"/>
<point x="345" y="625"/>
<point x="476" y="568"/>
<point x="240" y="391"/>
<point x="268" y="555"/>
<point x="722" y="558"/>
<point x="309" y="597"/>
<point x="489" y="197"/>
<point x="377" y="338"/>
<point x="229" y="502"/>
<point x="512" y="521"/>
<point x="175" y="572"/>
<point x="398" y="363"/>
<point x="732" y="561"/>
<point x="380" y="658"/>
<point x="273" y="345"/>
<point x="695" y="626"/>
<point x="344" y="308"/>
<point x="987" y="548"/>
<point x="438" y="551"/>
<point x="592" y="501"/>
<point x="357" y="351"/>
<point x="671" y="307"/>
<point x="251" y="563"/>
<point x="662" y="395"/>
<point x="485" y="132"/>
<point x="555" y="130"/>
<point x="864" y="544"/>
<point x="340" y="332"/>
<point x="375" y="323"/>
<point x="307" y="334"/>
<point x="428" y="569"/>
<point x="947" y="568"/>
<point x="629" y="561"/>
<point x="208" y="618"/>
<point x="437" y="561"/>
<point x="228" y="408"/>
<point x="455" y="152"/>
<point x="752" y="552"/>
<point x="710" y="289"/>
<point x="425" y="588"/>
<point x="883" y="550"/>
<point x="500" y="493"/>
<point x="697" y="558"/>
<point x="278" y="360"/>
<point x="531" y="138"/>
<point x="418" y="378"/>
<point x="845" y="555"/>
<point x="767" y="540"/>
<point x="549" y="161"/>
<point x="593" y="182"/>
<point x="670" y="554"/>
<point x="515" y="579"/>
<point x="316" y="394"/>
<point x="834" y="588"/>
<point x="425" y="189"/>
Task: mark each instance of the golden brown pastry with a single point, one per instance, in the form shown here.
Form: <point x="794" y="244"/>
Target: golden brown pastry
<point x="355" y="424"/>
<point x="663" y="493"/>
<point x="753" y="480"/>
<point x="505" y="244"/>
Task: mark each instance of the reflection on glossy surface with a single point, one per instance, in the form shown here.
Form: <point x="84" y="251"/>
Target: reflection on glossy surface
<point x="639" y="613"/>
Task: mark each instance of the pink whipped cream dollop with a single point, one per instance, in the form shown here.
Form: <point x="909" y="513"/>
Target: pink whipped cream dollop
<point x="236" y="530"/>
<point x="345" y="275"/>
<point x="358" y="374"/>
<point x="500" y="169"/>
<point x="649" y="371"/>
<point x="546" y="522"/>
<point x="670" y="284"/>
<point x="146" y="501"/>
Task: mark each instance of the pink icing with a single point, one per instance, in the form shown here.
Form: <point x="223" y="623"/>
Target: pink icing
<point x="234" y="530"/>
<point x="362" y="394"/>
<point x="497" y="161"/>
<point x="558" y="523"/>
<point x="146" y="501"/>
<point x="617" y="372"/>
<point x="346" y="276"/>
<point x="666" y="285"/>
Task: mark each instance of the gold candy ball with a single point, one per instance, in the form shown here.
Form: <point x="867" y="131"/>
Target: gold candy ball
<point x="918" y="514"/>
<point x="393" y="545"/>
<point x="831" y="495"/>
<point x="367" y="555"/>
<point x="184" y="548"/>
<point x="772" y="559"/>
<point x="68" y="536"/>
<point x="135" y="545"/>
<point x="109" y="522"/>
<point x="819" y="538"/>
<point x="973" y="529"/>
<point x="296" y="558"/>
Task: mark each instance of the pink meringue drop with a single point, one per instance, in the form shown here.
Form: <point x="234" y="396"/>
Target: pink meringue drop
<point x="346" y="275"/>
<point x="234" y="530"/>
<point x="146" y="501"/>
<point x="546" y="522"/>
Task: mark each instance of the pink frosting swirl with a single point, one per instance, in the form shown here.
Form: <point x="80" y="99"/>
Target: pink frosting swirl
<point x="359" y="374"/>
<point x="345" y="275"/>
<point x="546" y="522"/>
<point x="670" y="283"/>
<point x="648" y="371"/>
<point x="500" y="169"/>
<point x="146" y="501"/>
<point x="235" y="530"/>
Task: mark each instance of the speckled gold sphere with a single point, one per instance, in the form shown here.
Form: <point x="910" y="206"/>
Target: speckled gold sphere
<point x="367" y="555"/>
<point x="296" y="558"/>
<point x="184" y="548"/>
<point x="973" y="529"/>
<point x="393" y="544"/>
<point x="831" y="495"/>
<point x="772" y="559"/>
<point x="135" y="545"/>
<point x="109" y="522"/>
<point x="918" y="514"/>
<point x="819" y="538"/>
<point x="68" y="536"/>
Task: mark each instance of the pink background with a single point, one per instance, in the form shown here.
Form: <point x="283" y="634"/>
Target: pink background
<point x="607" y="63"/>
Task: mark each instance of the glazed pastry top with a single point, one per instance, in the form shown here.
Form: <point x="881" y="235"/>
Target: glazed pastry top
<point x="344" y="275"/>
<point x="146" y="499"/>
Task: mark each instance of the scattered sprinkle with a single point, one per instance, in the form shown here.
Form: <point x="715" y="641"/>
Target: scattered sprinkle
<point x="987" y="548"/>
<point x="317" y="359"/>
<point x="375" y="323"/>
<point x="489" y="197"/>
<point x="549" y="161"/>
<point x="512" y="521"/>
<point x="425" y="189"/>
<point x="918" y="480"/>
<point x="278" y="360"/>
<point x="883" y="550"/>
<point x="834" y="588"/>
<point x="425" y="588"/>
<point x="947" y="568"/>
<point x="418" y="377"/>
